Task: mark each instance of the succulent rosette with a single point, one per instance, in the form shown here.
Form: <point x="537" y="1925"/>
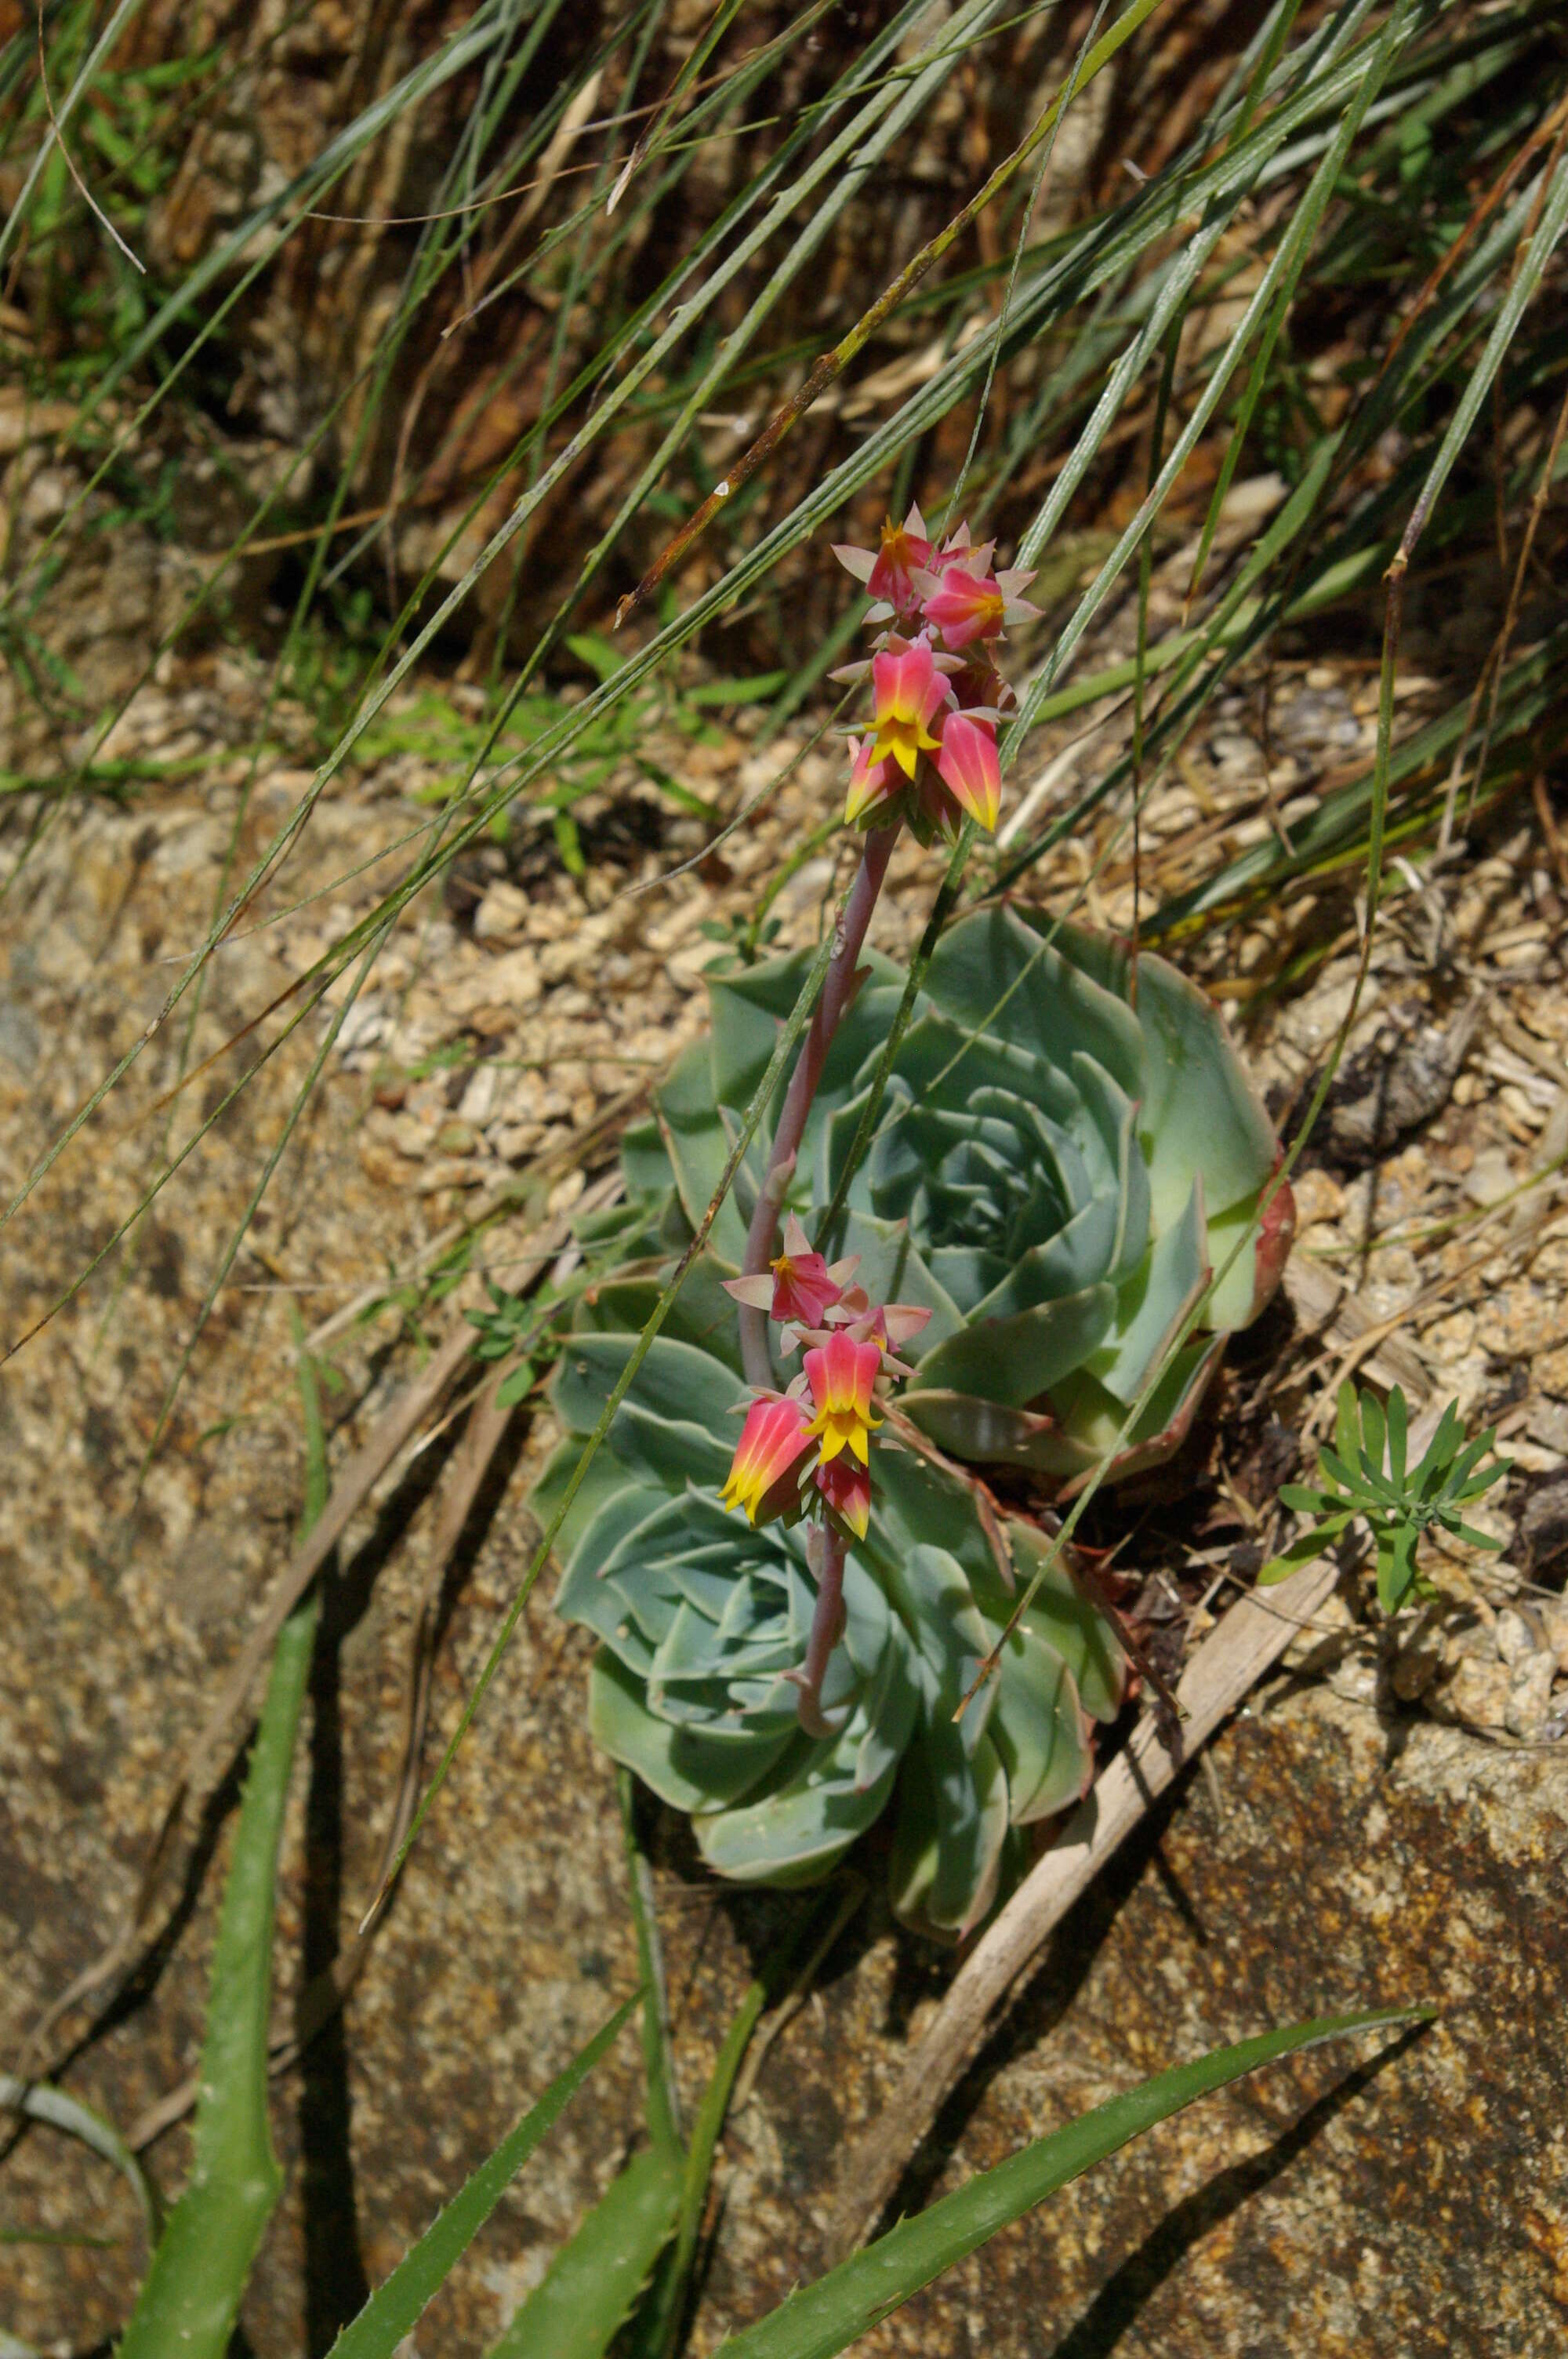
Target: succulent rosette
<point x="1059" y="1168"/>
<point x="702" y="1619"/>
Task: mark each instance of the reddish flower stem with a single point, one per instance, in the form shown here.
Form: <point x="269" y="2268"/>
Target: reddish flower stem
<point x="827" y="1553"/>
<point x="838" y="990"/>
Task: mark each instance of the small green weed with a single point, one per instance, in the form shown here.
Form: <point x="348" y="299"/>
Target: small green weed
<point x="1363" y="1478"/>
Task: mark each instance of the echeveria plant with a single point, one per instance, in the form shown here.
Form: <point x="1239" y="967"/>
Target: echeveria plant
<point x="704" y="1621"/>
<point x="1061" y="1154"/>
<point x="1056" y="1175"/>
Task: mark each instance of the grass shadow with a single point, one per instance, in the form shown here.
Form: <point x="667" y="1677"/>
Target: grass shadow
<point x="1120" y="2299"/>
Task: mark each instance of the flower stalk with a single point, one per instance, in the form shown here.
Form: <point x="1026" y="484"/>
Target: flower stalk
<point x="837" y="991"/>
<point x="825" y="1552"/>
<point x="929" y="757"/>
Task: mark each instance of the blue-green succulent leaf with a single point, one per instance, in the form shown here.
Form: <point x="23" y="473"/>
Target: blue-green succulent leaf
<point x="952" y="1824"/>
<point x="965" y="1426"/>
<point x="1065" y="1619"/>
<point x="675" y="1381"/>
<point x="891" y="1270"/>
<point x="1040" y="1730"/>
<point x="797" y="1829"/>
<point x="1199" y="1115"/>
<point x="1082" y="1254"/>
<point x="1012" y="1361"/>
<point x="1153" y="1302"/>
<point x="691" y="1769"/>
<point x="605" y="1481"/>
<point x="750" y="1003"/>
<point x="698" y="1147"/>
<point x="994" y="976"/>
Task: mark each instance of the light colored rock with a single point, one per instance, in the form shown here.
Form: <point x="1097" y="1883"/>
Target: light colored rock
<point x="477" y="1101"/>
<point x="502" y="915"/>
<point x="1529" y="1705"/>
<point x="512" y="980"/>
<point x="1333" y="1630"/>
<point x="1516" y="1641"/>
<point x="1490" y="1178"/>
<point x="1555" y="1621"/>
<point x="1419" y="1661"/>
<point x="1479" y="1693"/>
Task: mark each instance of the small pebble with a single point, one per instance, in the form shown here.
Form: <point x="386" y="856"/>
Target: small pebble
<point x="1516" y="1641"/>
<point x="1490" y="1178"/>
<point x="1529" y="1705"/>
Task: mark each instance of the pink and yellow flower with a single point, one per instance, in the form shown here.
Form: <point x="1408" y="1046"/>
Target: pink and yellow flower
<point x="964" y="608"/>
<point x="842" y="1373"/>
<point x="909" y="693"/>
<point x="801" y="1288"/>
<point x="968" y="767"/>
<point x="773" y="1437"/>
<point x="888" y="1324"/>
<point x="845" y="1486"/>
<point x="888" y="574"/>
<point x="965" y="601"/>
<point x="932" y="811"/>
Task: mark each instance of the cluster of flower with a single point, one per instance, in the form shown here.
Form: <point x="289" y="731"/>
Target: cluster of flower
<point x="930" y="754"/>
<point x="809" y="1448"/>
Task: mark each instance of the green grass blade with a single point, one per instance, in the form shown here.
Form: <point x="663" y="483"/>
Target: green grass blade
<point x="191" y="2295"/>
<point x="824" y="2318"/>
<point x="394" y="2308"/>
<point x="40" y="2102"/>
<point x="592" y="2282"/>
<point x="62" y="110"/>
<point x="1537" y="254"/>
<point x="658" y="2332"/>
<point x="1278" y="282"/>
<point x="662" y="2101"/>
<point x="657" y="2335"/>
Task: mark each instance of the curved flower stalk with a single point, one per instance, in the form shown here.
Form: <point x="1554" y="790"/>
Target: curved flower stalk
<point x="703" y="1619"/>
<point x="1055" y="1175"/>
<point x="930" y="759"/>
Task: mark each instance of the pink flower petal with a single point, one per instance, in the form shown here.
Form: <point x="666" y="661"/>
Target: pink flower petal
<point x="756" y="1293"/>
<point x="970" y="768"/>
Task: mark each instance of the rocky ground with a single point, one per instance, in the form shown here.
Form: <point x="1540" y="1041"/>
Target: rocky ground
<point x="1388" y="1819"/>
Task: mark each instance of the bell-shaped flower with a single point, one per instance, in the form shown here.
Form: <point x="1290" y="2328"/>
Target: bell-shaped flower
<point x="890" y="1326"/>
<point x="842" y="1373"/>
<point x="979" y="688"/>
<point x="801" y="1288"/>
<point x="967" y="602"/>
<point x="909" y="693"/>
<point x="968" y="767"/>
<point x="888" y="574"/>
<point x="846" y="1488"/>
<point x="773" y="1437"/>
<point x="962" y="607"/>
